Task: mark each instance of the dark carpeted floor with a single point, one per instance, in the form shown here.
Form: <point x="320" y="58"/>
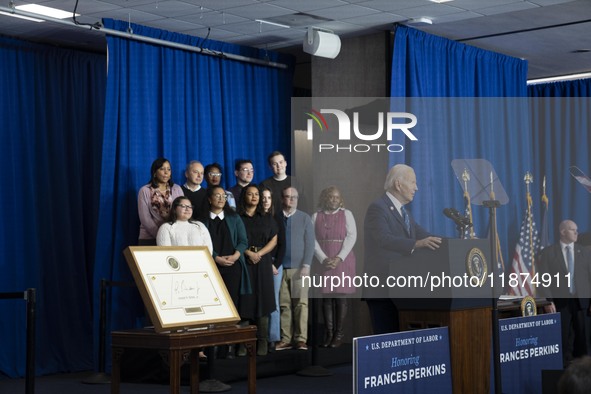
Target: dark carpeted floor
<point x="276" y="373"/>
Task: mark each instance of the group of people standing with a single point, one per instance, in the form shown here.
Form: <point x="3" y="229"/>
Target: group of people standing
<point x="261" y="242"/>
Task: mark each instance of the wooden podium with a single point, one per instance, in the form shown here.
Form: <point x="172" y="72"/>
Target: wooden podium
<point x="467" y="317"/>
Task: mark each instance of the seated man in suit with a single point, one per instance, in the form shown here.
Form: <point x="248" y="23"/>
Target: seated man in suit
<point x="569" y="291"/>
<point x="391" y="233"/>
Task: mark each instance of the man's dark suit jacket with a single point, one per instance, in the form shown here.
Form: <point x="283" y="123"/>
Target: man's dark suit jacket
<point x="552" y="261"/>
<point x="573" y="308"/>
<point x="386" y="240"/>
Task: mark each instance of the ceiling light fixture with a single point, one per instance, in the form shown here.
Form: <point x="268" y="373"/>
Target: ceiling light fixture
<point x="322" y="43"/>
<point x="271" y="23"/>
<point x="28" y="18"/>
<point x="46" y="11"/>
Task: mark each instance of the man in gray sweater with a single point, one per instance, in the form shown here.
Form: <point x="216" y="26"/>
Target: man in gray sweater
<point x="299" y="251"/>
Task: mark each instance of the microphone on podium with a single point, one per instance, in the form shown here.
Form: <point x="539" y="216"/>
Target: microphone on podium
<point x="457" y="217"/>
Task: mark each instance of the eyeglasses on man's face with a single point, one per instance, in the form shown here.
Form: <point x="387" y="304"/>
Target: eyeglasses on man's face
<point x="247" y="170"/>
<point x="183" y="206"/>
<point x="219" y="196"/>
<point x="214" y="174"/>
<point x="288" y="197"/>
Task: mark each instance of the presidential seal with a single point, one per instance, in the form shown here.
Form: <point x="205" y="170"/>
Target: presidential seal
<point x="528" y="306"/>
<point x="476" y="265"/>
<point x="174" y="264"/>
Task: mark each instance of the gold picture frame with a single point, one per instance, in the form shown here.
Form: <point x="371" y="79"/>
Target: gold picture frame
<point x="180" y="286"/>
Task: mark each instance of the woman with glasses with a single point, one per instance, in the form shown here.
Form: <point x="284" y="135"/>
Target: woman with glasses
<point x="261" y="231"/>
<point x="228" y="236"/>
<point x="181" y="230"/>
<point x="213" y="177"/>
<point x="155" y="199"/>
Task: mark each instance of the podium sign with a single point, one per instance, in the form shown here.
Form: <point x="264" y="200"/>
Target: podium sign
<point x="460" y="272"/>
<point x="181" y="287"/>
<point x="405" y="362"/>
<point x="529" y="345"/>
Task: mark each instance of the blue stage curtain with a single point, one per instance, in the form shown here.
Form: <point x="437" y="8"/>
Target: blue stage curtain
<point x="51" y="123"/>
<point x="165" y="102"/>
<point x="425" y="65"/>
<point x="561" y="114"/>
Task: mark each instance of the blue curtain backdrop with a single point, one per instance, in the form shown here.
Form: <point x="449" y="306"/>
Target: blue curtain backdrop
<point x="560" y="117"/>
<point x="183" y="106"/>
<point x="425" y="65"/>
<point x="51" y="124"/>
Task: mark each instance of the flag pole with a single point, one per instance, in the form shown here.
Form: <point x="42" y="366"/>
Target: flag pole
<point x="529" y="179"/>
<point x="492" y="205"/>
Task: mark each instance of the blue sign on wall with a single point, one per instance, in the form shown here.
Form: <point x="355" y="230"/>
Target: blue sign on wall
<point x="405" y="362"/>
<point x="528" y="345"/>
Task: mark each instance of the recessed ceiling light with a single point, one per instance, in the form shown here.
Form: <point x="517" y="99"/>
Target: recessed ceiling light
<point x="21" y="17"/>
<point x="47" y="11"/>
<point x="440" y="1"/>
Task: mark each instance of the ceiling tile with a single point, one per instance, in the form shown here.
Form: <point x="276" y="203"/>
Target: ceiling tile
<point x="506" y="8"/>
<point x="212" y="18"/>
<point x="259" y="11"/>
<point x="344" y="12"/>
<point x="170" y="8"/>
<point x="381" y="18"/>
<point x="393" y="6"/>
<point x="308" y="5"/>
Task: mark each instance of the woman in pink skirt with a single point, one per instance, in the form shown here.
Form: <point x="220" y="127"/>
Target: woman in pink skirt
<point x="336" y="234"/>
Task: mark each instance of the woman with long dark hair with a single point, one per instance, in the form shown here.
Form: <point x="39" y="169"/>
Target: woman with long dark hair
<point x="155" y="199"/>
<point x="181" y="230"/>
<point x="261" y="231"/>
<point x="277" y="257"/>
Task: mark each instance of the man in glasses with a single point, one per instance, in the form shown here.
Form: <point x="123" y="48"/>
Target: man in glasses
<point x="299" y="251"/>
<point x="213" y="177"/>
<point x="244" y="172"/>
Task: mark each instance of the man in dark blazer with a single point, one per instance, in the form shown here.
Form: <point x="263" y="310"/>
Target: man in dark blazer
<point x="572" y="303"/>
<point x="391" y="233"/>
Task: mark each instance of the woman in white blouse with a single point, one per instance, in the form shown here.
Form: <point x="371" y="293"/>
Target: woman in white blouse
<point x="181" y="230"/>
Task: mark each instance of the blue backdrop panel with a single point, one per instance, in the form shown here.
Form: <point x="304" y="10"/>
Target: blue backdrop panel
<point x="424" y="65"/>
<point x="51" y="122"/>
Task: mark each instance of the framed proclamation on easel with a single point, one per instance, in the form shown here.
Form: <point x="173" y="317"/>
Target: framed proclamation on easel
<point x="181" y="286"/>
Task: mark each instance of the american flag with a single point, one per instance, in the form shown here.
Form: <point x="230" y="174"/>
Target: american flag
<point x="468" y="231"/>
<point x="523" y="258"/>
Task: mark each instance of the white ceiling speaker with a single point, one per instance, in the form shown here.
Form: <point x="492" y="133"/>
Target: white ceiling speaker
<point x="322" y="43"/>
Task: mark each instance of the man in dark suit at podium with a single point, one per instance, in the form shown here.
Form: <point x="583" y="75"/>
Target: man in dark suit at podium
<point x="569" y="261"/>
<point x="391" y="233"/>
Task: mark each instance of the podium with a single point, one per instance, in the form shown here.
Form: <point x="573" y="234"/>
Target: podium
<point x="466" y="312"/>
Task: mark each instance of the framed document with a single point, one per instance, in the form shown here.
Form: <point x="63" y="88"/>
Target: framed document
<point x="181" y="286"/>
